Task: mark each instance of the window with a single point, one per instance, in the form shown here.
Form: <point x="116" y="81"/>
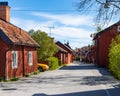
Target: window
<point x="30" y="58"/>
<point x="118" y="28"/>
<point x="14" y="59"/>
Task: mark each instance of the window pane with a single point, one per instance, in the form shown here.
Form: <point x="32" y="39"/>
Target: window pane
<point x="14" y="59"/>
<point x="30" y="59"/>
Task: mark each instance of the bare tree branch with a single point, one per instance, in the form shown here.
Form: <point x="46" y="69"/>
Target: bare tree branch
<point x="105" y="10"/>
<point x="99" y="2"/>
<point x="115" y="5"/>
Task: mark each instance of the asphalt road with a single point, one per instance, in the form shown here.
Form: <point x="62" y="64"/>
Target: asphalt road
<point x="76" y="79"/>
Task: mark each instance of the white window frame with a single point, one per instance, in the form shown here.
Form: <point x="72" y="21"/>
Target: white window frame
<point x="118" y="28"/>
<point x="14" y="59"/>
<point x="30" y="58"/>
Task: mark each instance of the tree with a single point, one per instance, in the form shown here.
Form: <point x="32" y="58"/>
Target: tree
<point x="99" y="29"/>
<point x="105" y="10"/>
<point x="47" y="46"/>
<point x="114" y="56"/>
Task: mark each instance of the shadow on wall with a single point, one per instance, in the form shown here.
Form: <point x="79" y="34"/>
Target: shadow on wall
<point x="110" y="92"/>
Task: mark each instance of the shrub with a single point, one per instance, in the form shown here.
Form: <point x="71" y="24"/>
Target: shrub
<point x="36" y="72"/>
<point x="27" y="75"/>
<point x="114" y="57"/>
<point x="14" y="79"/>
<point x="52" y="63"/>
<point x="60" y="62"/>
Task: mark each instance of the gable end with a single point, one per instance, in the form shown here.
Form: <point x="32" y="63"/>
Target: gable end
<point x="5" y="38"/>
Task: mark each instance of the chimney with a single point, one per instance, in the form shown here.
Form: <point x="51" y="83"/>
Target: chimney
<point x="5" y="11"/>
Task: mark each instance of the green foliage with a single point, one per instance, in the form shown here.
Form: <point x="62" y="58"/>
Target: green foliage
<point x="78" y="58"/>
<point x="14" y="79"/>
<point x="64" y="65"/>
<point x="36" y="72"/>
<point x="27" y="75"/>
<point x="99" y="29"/>
<point x="60" y="62"/>
<point x="1" y="80"/>
<point x="47" y="47"/>
<point x="53" y="63"/>
<point x="114" y="57"/>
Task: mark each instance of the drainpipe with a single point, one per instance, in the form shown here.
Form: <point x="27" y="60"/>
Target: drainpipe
<point x="4" y="77"/>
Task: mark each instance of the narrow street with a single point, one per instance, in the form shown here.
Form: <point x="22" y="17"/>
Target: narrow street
<point x="76" y="79"/>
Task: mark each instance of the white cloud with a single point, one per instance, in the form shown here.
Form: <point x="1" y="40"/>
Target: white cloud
<point x="67" y="19"/>
<point x="68" y="31"/>
<point x="77" y="37"/>
<point x="72" y="32"/>
<point x="31" y="24"/>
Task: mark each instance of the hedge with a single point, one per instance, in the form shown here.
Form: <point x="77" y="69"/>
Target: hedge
<point x="114" y="57"/>
<point x="53" y="63"/>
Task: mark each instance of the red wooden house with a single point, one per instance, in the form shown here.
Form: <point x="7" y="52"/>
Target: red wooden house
<point x="61" y="55"/>
<point x="68" y="53"/>
<point x="102" y="43"/>
<point x="18" y="55"/>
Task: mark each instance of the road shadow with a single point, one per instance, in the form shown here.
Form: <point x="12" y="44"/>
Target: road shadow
<point x="112" y="92"/>
<point x="85" y="66"/>
<point x="8" y="89"/>
<point x="104" y="76"/>
<point x="40" y="94"/>
<point x="78" y="66"/>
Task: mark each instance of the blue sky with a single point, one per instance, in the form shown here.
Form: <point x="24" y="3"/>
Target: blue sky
<point x="69" y="24"/>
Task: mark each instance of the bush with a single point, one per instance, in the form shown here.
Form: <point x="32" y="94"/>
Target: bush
<point x="60" y="62"/>
<point x="27" y="75"/>
<point x="14" y="79"/>
<point x="53" y="63"/>
<point x="114" y="57"/>
<point x="36" y="72"/>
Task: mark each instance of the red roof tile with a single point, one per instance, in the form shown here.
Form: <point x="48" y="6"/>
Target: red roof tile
<point x="16" y="34"/>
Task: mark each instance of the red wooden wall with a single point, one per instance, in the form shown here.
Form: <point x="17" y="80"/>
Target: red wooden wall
<point x="23" y="66"/>
<point x="103" y="44"/>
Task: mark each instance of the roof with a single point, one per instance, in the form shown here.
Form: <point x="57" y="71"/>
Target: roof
<point x="65" y="46"/>
<point x="61" y="49"/>
<point x="103" y="31"/>
<point x="12" y="34"/>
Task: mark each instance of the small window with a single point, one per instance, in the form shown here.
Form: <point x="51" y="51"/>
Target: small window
<point x="118" y="28"/>
<point x="14" y="59"/>
<point x="30" y="58"/>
